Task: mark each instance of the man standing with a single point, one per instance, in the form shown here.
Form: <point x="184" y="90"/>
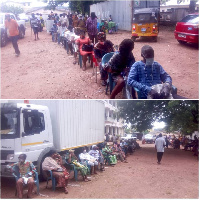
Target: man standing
<point x="12" y="26"/>
<point x="26" y="175"/>
<point x="160" y="145"/>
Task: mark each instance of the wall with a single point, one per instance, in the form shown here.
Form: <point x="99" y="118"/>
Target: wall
<point x="119" y="10"/>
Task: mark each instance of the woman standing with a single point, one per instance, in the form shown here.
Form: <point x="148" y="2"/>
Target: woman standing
<point x="91" y="25"/>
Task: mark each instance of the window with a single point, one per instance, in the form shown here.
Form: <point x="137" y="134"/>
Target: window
<point x="33" y="122"/>
<point x="194" y="19"/>
<point x="9" y="123"/>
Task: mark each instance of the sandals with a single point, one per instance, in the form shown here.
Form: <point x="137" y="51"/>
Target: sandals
<point x="84" y="68"/>
<point x="66" y="191"/>
<point x="103" y="83"/>
<point x="74" y="62"/>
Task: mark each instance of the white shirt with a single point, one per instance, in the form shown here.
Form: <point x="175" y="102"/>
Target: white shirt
<point x="94" y="153"/>
<point x="160" y="142"/>
<point x="85" y="156"/>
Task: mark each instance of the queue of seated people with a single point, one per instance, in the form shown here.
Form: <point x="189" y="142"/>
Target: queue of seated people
<point x="185" y="142"/>
<point x="147" y="76"/>
<point x="85" y="162"/>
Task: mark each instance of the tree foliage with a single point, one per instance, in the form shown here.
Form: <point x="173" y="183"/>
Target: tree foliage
<point x="11" y="9"/>
<point x="76" y="6"/>
<point x="82" y="6"/>
<point x="180" y="116"/>
<point x="52" y="4"/>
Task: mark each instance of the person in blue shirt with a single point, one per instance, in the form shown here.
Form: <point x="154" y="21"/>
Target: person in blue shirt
<point x="54" y="30"/>
<point x="147" y="73"/>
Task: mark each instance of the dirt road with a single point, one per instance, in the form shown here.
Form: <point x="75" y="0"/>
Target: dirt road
<point x="44" y="70"/>
<point x="141" y="178"/>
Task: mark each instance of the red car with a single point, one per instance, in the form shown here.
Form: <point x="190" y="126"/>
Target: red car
<point x="187" y="30"/>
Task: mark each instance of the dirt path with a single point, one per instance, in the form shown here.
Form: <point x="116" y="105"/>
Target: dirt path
<point x="141" y="178"/>
<point x="44" y="70"/>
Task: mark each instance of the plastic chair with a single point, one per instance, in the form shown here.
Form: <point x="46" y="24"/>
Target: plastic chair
<point x="52" y="178"/>
<point x="70" y="166"/>
<point x="95" y="65"/>
<point x="80" y="59"/>
<point x="110" y="81"/>
<point x="73" y="168"/>
<point x="16" y="174"/>
<point x="83" y="163"/>
<point x="98" y="26"/>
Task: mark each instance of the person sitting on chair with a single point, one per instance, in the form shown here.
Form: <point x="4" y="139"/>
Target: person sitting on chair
<point x="147" y="73"/>
<point x="82" y="168"/>
<point x="26" y="171"/>
<point x="98" y="156"/>
<point x="80" y="42"/>
<point x="120" y="62"/>
<point x="86" y="158"/>
<point x="100" y="49"/>
<point x="55" y="164"/>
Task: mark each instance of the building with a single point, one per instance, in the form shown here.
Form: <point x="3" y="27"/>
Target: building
<point x="112" y="124"/>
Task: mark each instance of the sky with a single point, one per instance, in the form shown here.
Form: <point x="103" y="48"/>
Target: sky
<point x="157" y="125"/>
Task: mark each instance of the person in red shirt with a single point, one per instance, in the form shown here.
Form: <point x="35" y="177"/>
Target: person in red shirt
<point x="12" y="26"/>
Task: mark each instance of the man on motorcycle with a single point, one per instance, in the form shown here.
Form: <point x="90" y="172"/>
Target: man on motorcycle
<point x="146" y="74"/>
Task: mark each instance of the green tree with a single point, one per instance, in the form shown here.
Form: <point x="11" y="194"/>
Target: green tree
<point x="52" y="4"/>
<point x="82" y="6"/>
<point x="178" y="115"/>
<point x="191" y="6"/>
<point x="11" y="9"/>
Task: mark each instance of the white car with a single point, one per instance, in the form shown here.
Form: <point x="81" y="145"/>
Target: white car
<point x="129" y="136"/>
<point x="149" y="138"/>
<point x="5" y="32"/>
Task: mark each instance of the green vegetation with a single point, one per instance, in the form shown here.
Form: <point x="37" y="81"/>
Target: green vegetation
<point x="11" y="9"/>
<point x="76" y="6"/>
<point x="178" y="115"/>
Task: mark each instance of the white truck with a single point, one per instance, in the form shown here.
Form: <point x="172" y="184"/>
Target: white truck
<point x="35" y="129"/>
<point x="5" y="32"/>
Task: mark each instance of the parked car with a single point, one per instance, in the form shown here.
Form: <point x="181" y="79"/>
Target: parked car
<point x="129" y="136"/>
<point x="149" y="138"/>
<point x="187" y="30"/>
<point x="23" y="16"/>
<point x="5" y="32"/>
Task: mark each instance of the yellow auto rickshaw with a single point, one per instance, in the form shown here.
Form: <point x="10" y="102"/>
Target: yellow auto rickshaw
<point x="146" y="23"/>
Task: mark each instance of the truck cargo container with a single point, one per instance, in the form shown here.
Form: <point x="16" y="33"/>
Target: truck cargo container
<point x="36" y="128"/>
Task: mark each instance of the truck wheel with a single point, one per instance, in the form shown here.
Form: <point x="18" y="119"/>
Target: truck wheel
<point x="21" y="32"/>
<point x="3" y="38"/>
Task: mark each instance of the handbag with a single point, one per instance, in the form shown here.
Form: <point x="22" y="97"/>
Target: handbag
<point x="87" y="47"/>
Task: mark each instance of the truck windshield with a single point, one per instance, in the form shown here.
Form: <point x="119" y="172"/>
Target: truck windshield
<point x="144" y="18"/>
<point x="9" y="123"/>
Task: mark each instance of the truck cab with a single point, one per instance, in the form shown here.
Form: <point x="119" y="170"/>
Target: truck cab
<point x="25" y="129"/>
<point x="5" y="33"/>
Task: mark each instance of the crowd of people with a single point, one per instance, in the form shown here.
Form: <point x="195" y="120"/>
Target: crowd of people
<point x="70" y="30"/>
<point x="145" y="75"/>
<point x="86" y="160"/>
